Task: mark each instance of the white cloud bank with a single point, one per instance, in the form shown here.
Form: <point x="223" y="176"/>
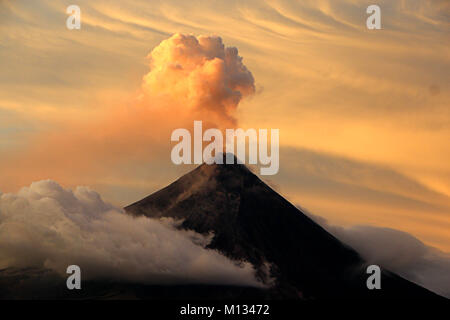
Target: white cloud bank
<point x="397" y="251"/>
<point x="45" y="225"/>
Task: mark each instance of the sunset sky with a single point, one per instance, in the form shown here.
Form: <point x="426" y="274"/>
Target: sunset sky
<point x="364" y="115"/>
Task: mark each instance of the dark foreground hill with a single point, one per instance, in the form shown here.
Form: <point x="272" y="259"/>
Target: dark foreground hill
<point x="252" y="222"/>
<point x="44" y="284"/>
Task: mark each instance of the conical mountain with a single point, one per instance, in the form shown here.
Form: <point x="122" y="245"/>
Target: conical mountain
<point x="252" y="222"/>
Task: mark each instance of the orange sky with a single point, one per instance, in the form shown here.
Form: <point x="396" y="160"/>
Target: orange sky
<point x="364" y="116"/>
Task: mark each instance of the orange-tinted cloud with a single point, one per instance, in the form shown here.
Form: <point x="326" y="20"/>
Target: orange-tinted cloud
<point x="190" y="78"/>
<point x="201" y="73"/>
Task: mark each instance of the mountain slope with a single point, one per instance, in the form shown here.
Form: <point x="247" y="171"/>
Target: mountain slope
<point x="252" y="222"/>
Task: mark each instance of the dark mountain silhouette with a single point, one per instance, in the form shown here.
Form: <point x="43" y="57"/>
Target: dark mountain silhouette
<point x="252" y="222"/>
<point x="296" y="257"/>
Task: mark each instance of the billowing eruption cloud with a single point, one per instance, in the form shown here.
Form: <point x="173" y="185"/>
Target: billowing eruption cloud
<point x="190" y="78"/>
<point x="200" y="72"/>
<point x="47" y="226"/>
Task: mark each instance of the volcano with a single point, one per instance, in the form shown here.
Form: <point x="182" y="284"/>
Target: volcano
<point x="251" y="222"/>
